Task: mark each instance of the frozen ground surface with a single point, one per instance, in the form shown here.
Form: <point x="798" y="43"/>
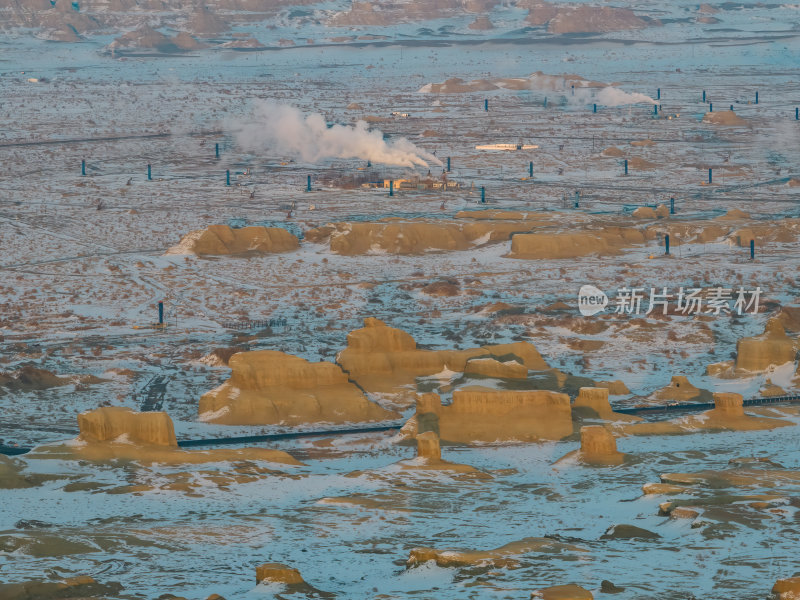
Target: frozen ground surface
<point x="192" y="546"/>
<point x="83" y="265"/>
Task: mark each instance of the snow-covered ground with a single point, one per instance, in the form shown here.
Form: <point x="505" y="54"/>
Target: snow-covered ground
<point x="83" y="266"/>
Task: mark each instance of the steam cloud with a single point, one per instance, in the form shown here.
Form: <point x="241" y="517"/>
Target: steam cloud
<point x="287" y="131"/>
<point x="607" y="96"/>
<point x="583" y="94"/>
<point x="611" y="96"/>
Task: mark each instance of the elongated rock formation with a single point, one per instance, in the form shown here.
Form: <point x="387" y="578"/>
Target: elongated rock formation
<point x="278" y="573"/>
<point x="504" y="556"/>
<point x="118" y="433"/>
<point x="270" y="387"/>
<point x="484" y="415"/>
<point x="386" y="360"/>
<point x="610" y="240"/>
<point x="418" y="237"/>
<point x="113" y="422"/>
<point x="562" y="592"/>
<point x="773" y="347"/>
<point x="218" y="240"/>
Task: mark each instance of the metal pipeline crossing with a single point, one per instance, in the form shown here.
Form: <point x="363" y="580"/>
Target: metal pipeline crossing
<point x="645" y="410"/>
<point x="272" y="437"/>
<point x="245" y="439"/>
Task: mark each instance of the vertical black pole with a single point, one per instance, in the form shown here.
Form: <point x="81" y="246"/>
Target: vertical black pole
<point x="308" y="184"/>
<point x="709" y="176"/>
<point x="227" y="177"/>
<point x="666" y="244"/>
<point x="448" y="164"/>
<point x="486" y="105"/>
<point x="752" y="249"/>
<point x="626" y="166"/>
<point x="149" y="174"/>
<point x="483" y="195"/>
<point x="160" y="313"/>
<point x="710" y="107"/>
<point x="756" y="97"/>
<point x="530" y="169"/>
<point x="83" y="167"/>
<point x="658" y="94"/>
<point x="672" y="206"/>
<point x="391" y="187"/>
<point x="704" y="95"/>
<point x="216" y="150"/>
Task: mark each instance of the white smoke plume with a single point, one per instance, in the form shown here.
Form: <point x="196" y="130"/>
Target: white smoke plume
<point x="585" y="91"/>
<point x="285" y="130"/>
<point x="606" y="96"/>
<point x="611" y="96"/>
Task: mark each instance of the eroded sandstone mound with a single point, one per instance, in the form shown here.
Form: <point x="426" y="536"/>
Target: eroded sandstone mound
<point x="29" y="377"/>
<point x="610" y="240"/>
<point x="733" y="214"/>
<point x="269" y="387"/>
<point x="502" y="557"/>
<point x="490" y="367"/>
<point x="786" y="589"/>
<point x="429" y="458"/>
<point x="428" y="447"/>
<point x="382" y="359"/>
<point x="481" y="23"/>
<point x="415" y="237"/>
<point x="773" y="347"/>
<point x="725" y="117"/>
<point x="593" y="403"/>
<point x="119" y="433"/>
<point x="615" y="388"/>
<point x="599" y="447"/>
<point x="375" y="14"/>
<point x="569" y="591"/>
<point x="683" y="232"/>
<point x="218" y="240"/>
<point x="524" y="352"/>
<point x="644" y="212"/>
<point x="112" y="423"/>
<point x="479" y="414"/>
<point x="680" y="389"/>
<point x="781" y="231"/>
<point x="581" y="18"/>
<point x="537" y="80"/>
<point x="278" y="573"/>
